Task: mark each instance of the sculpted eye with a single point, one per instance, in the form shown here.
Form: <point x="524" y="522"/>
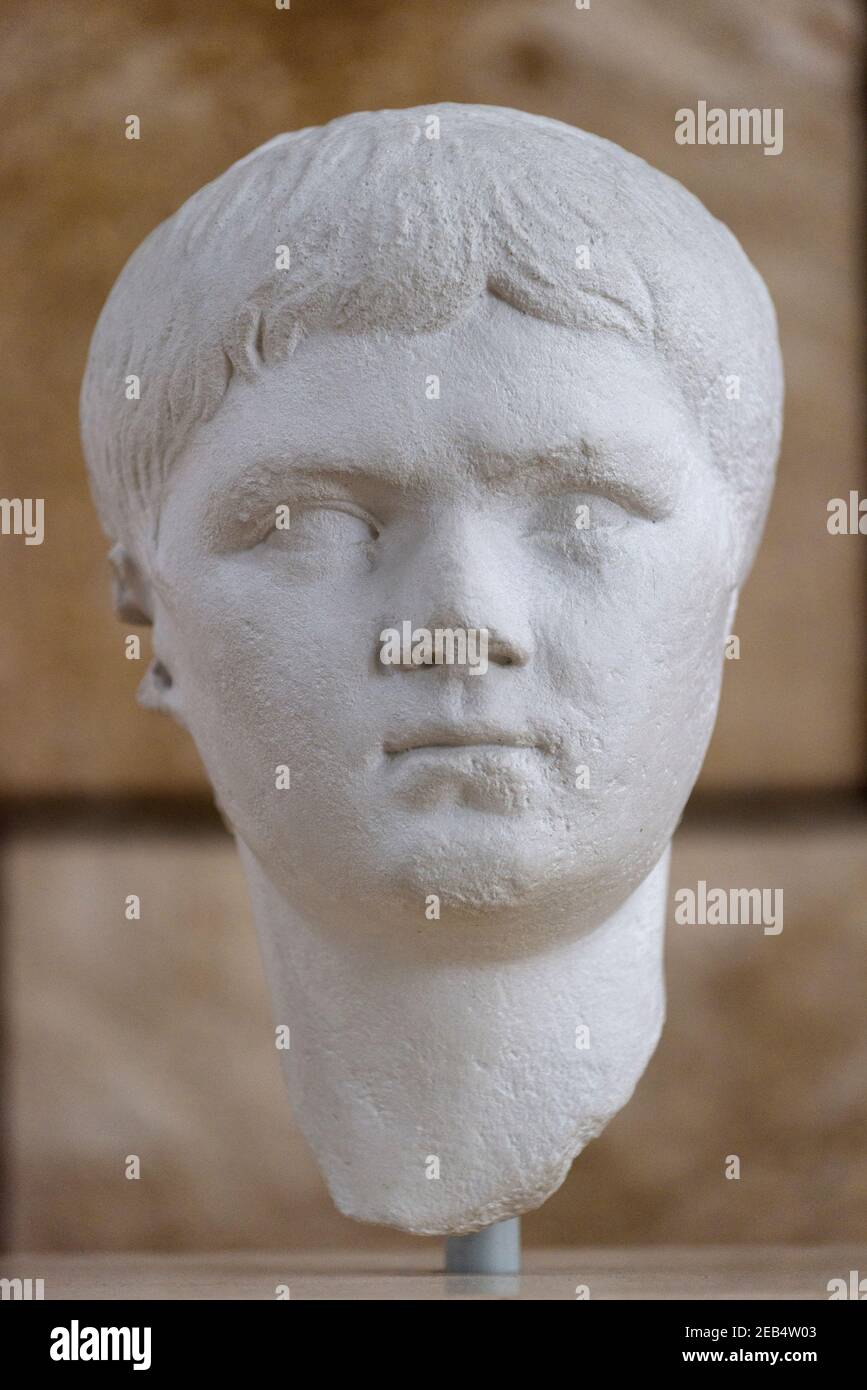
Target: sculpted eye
<point x="320" y="541"/>
<point x="579" y="517"/>
<point x="321" y="525"/>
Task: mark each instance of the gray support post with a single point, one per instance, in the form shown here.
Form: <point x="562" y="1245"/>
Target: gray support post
<point x="494" y="1250"/>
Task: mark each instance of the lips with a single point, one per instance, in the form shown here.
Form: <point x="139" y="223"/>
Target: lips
<point x="443" y="739"/>
<point x="492" y="769"/>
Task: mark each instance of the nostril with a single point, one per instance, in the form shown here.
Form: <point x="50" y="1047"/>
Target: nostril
<point x="503" y="652"/>
<point x="405" y="647"/>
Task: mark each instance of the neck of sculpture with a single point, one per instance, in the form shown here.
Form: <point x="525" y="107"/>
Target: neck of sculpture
<point x="450" y="1085"/>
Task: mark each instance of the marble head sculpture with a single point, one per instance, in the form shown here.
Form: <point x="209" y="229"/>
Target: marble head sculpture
<point x="466" y="369"/>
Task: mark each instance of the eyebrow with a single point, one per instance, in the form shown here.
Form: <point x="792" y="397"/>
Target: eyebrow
<point x="619" y="468"/>
<point x="265" y="479"/>
<point x="622" y="468"/>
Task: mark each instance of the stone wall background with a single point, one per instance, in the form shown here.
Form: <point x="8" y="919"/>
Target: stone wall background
<point x="160" y="1041"/>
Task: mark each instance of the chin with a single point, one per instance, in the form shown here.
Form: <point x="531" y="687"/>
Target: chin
<point x="484" y="870"/>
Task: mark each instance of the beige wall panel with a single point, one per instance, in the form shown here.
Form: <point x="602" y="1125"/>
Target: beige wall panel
<point x="155" y="1038"/>
<point x="208" y="84"/>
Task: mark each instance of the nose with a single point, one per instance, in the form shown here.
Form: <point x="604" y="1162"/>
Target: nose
<point x="460" y="577"/>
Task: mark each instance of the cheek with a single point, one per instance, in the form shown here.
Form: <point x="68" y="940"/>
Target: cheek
<point x="635" y="644"/>
<point x="264" y="666"/>
<point x="679" y="624"/>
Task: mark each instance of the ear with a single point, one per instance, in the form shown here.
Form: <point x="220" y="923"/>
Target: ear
<point x="157" y="691"/>
<point x="131" y="589"/>
<point x="133" y="603"/>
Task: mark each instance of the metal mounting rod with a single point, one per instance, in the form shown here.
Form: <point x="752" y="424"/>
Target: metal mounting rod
<point x="493" y="1250"/>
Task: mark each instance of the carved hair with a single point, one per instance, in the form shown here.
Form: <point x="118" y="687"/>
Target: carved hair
<point x="388" y="228"/>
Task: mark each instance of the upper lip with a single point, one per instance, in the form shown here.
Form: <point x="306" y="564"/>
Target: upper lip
<point x="443" y="736"/>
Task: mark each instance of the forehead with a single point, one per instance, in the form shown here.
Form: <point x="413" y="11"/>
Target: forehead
<point x="495" y="385"/>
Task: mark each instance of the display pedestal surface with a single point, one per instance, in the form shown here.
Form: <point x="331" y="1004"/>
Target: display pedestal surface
<point x="643" y="1272"/>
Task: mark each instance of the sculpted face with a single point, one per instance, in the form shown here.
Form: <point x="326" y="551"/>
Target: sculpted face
<point x="558" y="494"/>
